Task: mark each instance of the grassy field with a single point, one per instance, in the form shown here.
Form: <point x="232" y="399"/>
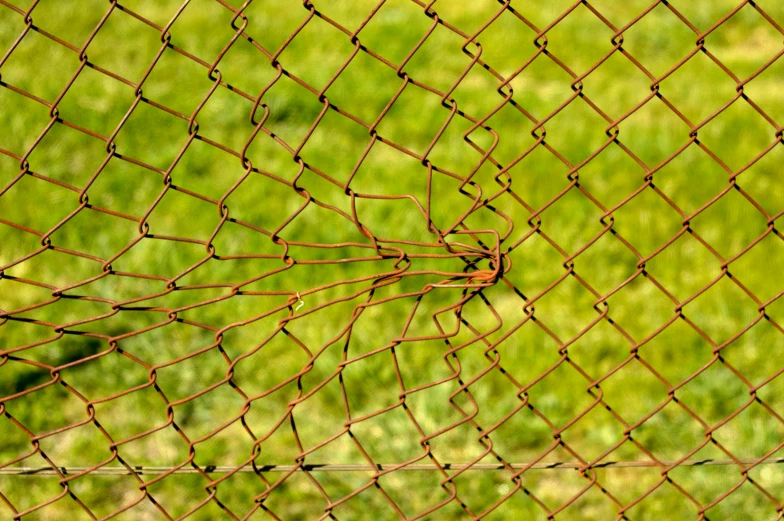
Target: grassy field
<point x="96" y="102"/>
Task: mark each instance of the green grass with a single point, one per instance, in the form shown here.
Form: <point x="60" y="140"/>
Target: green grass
<point x="631" y="397"/>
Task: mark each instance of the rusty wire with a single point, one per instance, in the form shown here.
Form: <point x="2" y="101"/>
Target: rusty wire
<point x="475" y="247"/>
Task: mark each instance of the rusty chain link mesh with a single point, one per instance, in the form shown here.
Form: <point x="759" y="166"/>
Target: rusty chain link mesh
<point x="349" y="304"/>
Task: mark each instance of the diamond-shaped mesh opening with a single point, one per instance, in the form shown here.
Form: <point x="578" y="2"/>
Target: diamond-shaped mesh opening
<point x="542" y="86"/>
<point x="83" y="377"/>
<point x="750" y="499"/>
<point x="615" y="100"/>
<point x="595" y="433"/>
<point x="92" y="491"/>
<point x="59" y="408"/>
<point x="429" y="110"/>
<point x="688" y="86"/>
<point x="311" y="502"/>
<point x="27" y="128"/>
<point x="550" y="399"/>
<point x="293" y="109"/>
<point x="38" y="193"/>
<point x="757" y="181"/>
<point x="764" y="281"/>
<point x="59" y="162"/>
<point x="600" y="350"/>
<point x="542" y="13"/>
<point x="400" y="17"/>
<point x="689" y="191"/>
<point x="757" y="91"/>
<point x="653" y="505"/>
<point x="318" y="71"/>
<point x="341" y="485"/>
<point x="481" y="491"/>
<point x="653" y="133"/>
<point x="753" y="135"/>
<point x="42" y="491"/>
<point x="576" y="147"/>
<point x="506" y="29"/>
<point x="592" y="271"/>
<point x="541" y="177"/>
<point x="124" y="231"/>
<point x="62" y="447"/>
<point x="440" y="60"/>
<point x="20" y="377"/>
<point x="746" y="354"/>
<point x="697" y="267"/>
<point x="729" y="224"/>
<point x="659" y="40"/>
<point x="540" y="485"/>
<point x="701" y="310"/>
<point x="619" y="15"/>
<point x="493" y="387"/>
<point x="456" y="151"/>
<point x="212" y="15"/>
<point x="641" y="308"/>
<point x="364" y="87"/>
<point x="223" y="117"/>
<point x="112" y="414"/>
<point x="713" y="394"/>
<point x="750" y="53"/>
<point x="73" y="27"/>
<point x="118" y="28"/>
<point x="336" y="128"/>
<point x="576" y="228"/>
<point x="33" y="76"/>
<point x="406" y="489"/>
<point x="677" y="352"/>
<point x="592" y="500"/>
<point x="191" y="85"/>
<point x="169" y="133"/>
<point x="622" y="392"/>
<point x="583" y="24"/>
<point x="703" y="19"/>
<point x="192" y="172"/>
<point x="168" y="493"/>
<point x="564" y="320"/>
<point x="767" y="431"/>
<point x="669" y="434"/>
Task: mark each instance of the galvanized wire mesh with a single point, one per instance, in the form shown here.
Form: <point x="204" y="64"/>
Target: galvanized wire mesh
<point x="453" y="263"/>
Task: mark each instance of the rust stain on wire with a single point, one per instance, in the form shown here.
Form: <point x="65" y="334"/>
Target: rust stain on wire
<point x="485" y="253"/>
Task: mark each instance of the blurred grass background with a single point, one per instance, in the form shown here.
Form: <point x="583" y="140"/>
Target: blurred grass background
<point x="126" y="47"/>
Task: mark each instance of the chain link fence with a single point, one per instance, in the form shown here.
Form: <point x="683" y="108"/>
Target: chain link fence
<point x="394" y="260"/>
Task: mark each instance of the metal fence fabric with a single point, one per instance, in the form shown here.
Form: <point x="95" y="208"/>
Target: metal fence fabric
<point x="393" y="260"/>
